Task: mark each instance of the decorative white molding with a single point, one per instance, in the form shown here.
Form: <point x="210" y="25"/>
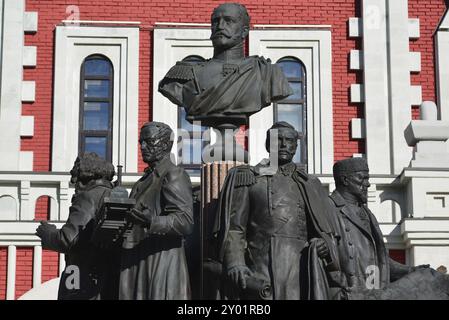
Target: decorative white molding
<point x="26" y="161"/>
<point x="37" y="266"/>
<point x="357" y="93"/>
<point x="30" y="21"/>
<point x="415" y="62"/>
<point x="413" y="29"/>
<point x="73" y="45"/>
<point x="12" y="44"/>
<point x="292" y="26"/>
<point x="28" y="91"/>
<point x="29" y="56"/>
<point x="27" y="126"/>
<point x="355" y="27"/>
<point x="358" y="129"/>
<point x="11" y="273"/>
<point x="375" y="85"/>
<point x="313" y="48"/>
<point x="356" y="60"/>
<point x="400" y="91"/>
<point x="415" y="95"/>
<point x="98" y="22"/>
<point x="182" y="24"/>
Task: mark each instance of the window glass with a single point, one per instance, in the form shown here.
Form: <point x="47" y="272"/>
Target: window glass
<point x="97" y="67"/>
<point x="96" y="88"/>
<point x="97" y="145"/>
<point x="96" y="115"/>
<point x="95" y="133"/>
<point x="293" y="108"/>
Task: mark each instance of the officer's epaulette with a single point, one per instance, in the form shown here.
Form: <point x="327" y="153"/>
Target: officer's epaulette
<point x="181" y="71"/>
<point x="244" y="176"/>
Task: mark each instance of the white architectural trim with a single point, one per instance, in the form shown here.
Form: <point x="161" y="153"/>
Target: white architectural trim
<point x="26" y="160"/>
<point x="27" y="126"/>
<point x="313" y="48"/>
<point x="357" y="93"/>
<point x="73" y="45"/>
<point x="28" y="91"/>
<point x="414" y="29"/>
<point x="356" y="60"/>
<point x="375" y="85"/>
<point x="402" y="94"/>
<point x="358" y="128"/>
<point x="172" y="45"/>
<point x="29" y="56"/>
<point x="30" y="21"/>
<point x="387" y="91"/>
<point x="37" y="266"/>
<point x="355" y="27"/>
<point x="11" y="83"/>
<point x="442" y="66"/>
<point x="92" y="22"/>
<point x="11" y="273"/>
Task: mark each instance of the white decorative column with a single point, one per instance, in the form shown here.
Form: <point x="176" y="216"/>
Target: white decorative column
<point x="11" y="274"/>
<point x="386" y="91"/>
<point x="426" y="180"/>
<point x="37" y="266"/>
<point x="13" y="90"/>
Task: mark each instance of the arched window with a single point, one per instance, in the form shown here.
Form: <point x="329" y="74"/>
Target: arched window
<point x="95" y="130"/>
<point x="191" y="150"/>
<point x="293" y="108"/>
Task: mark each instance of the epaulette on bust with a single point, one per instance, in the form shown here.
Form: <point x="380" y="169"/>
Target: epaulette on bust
<point x="181" y="71"/>
<point x="244" y="176"/>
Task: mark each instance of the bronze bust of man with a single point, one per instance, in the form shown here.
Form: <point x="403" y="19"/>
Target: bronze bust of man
<point x="229" y="87"/>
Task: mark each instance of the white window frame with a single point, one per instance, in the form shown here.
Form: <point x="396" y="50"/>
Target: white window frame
<point x="172" y="44"/>
<point x="311" y="45"/>
<point x="121" y="46"/>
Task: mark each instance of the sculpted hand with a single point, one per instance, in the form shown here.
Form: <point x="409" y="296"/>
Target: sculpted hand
<point x="137" y="217"/>
<point x="238" y="275"/>
<point x="322" y="249"/>
<point x="45" y="230"/>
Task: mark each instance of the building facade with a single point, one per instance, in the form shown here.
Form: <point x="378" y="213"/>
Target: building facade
<point x="77" y="76"/>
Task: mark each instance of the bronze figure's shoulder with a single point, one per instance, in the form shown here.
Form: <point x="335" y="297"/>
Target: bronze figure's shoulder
<point x="182" y="71"/>
<point x="244" y="176"/>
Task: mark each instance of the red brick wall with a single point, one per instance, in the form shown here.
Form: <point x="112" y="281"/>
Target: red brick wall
<point x="42" y="211"/>
<point x="50" y="265"/>
<point x="24" y="270"/>
<point x="3" y="271"/>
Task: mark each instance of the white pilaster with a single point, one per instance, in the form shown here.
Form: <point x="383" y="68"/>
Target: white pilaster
<point x="11" y="274"/>
<point x="378" y="146"/>
<point x="37" y="266"/>
<point x="25" y="204"/>
<point x="399" y="74"/>
<point x="11" y="84"/>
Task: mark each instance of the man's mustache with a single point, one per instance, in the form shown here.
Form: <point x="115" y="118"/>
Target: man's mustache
<point x="220" y="33"/>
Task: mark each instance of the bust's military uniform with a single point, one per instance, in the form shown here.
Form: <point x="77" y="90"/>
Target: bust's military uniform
<point x="272" y="217"/>
<point x="215" y="89"/>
